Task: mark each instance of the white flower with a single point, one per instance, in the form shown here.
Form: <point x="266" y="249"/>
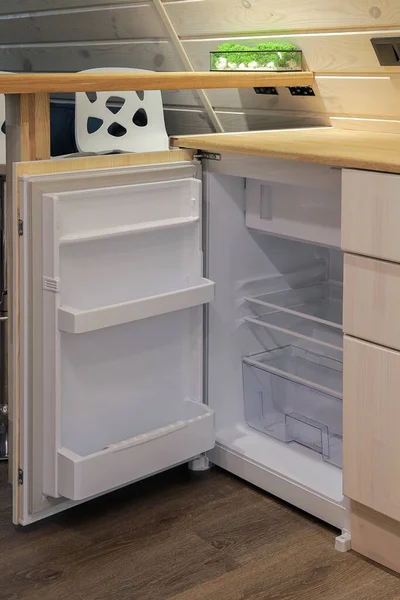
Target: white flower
<point x="291" y="64"/>
<point x="221" y="63"/>
<point x="242" y="66"/>
<point x="271" y="65"/>
<point x="232" y="65"/>
<point x="253" y="64"/>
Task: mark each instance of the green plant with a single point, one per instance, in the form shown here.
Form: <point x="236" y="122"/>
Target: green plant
<point x="264" y="54"/>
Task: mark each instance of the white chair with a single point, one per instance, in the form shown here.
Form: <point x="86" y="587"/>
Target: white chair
<point x="120" y="121"/>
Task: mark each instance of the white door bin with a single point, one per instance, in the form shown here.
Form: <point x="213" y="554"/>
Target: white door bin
<point x="81" y="477"/>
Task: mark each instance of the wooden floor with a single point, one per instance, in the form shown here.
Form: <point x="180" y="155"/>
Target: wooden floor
<point x="182" y="536"/>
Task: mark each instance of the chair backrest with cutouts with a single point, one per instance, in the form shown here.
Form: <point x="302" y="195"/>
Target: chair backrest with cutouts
<point x="120" y="121"/>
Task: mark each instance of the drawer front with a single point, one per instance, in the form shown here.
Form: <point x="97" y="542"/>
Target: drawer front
<point x="311" y="214"/>
<point x="371" y="214"/>
<point x="371" y="416"/>
<point x="371" y="302"/>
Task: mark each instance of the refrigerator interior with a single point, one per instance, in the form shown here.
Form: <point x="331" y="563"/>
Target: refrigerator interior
<point x="275" y="344"/>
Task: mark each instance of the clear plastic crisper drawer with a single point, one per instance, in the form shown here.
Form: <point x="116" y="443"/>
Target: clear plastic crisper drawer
<point x="294" y="395"/>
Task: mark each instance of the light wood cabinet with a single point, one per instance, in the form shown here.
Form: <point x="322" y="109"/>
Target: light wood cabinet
<point x="371" y="416"/>
<point x="376" y="536"/>
<point x="371" y="214"/>
<point x="372" y="300"/>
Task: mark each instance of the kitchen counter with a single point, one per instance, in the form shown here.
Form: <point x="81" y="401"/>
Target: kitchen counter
<point x="325" y="145"/>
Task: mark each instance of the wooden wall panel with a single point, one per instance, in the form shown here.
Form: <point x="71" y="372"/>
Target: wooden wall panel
<point x="107" y="23"/>
<point x="248" y="99"/>
<point x="8" y="7"/>
<point x="211" y="17"/>
<point x="268" y="119"/>
<point x="180" y="98"/>
<point x="157" y="55"/>
<point x="376" y="97"/>
<point x="363" y="97"/>
<point x="185" y="122"/>
<point x="185" y="98"/>
<point x="341" y="52"/>
<point x="355" y="123"/>
<point x="329" y="55"/>
<point x="335" y="39"/>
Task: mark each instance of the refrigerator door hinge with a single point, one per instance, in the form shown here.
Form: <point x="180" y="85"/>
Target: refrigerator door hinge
<point x="20" y="477"/>
<point x="20" y="227"/>
<point x="208" y="156"/>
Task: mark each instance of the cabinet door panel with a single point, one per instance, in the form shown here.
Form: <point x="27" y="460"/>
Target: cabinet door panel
<point x="370" y="214"/>
<point x="371" y="300"/>
<point x="371" y="415"/>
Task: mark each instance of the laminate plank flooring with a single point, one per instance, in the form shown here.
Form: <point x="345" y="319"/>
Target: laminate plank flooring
<point x="182" y="536"/>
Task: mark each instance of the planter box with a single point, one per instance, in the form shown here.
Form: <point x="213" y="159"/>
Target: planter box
<point x="256" y="60"/>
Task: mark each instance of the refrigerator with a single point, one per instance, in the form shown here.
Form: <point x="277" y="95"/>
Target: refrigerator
<point x="174" y="313"/>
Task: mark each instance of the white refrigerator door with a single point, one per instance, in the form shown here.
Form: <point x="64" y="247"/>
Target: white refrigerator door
<point x="111" y="338"/>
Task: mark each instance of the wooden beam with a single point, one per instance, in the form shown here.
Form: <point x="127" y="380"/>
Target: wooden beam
<point x="35" y="126"/>
<point x="162" y="11"/>
<point x="33" y="83"/>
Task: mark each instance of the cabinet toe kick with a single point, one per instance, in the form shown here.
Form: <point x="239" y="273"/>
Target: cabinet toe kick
<point x="375" y="536"/>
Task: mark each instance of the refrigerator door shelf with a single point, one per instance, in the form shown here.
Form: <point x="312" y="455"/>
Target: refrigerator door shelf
<point x="74" y="320"/>
<point x="84" y="476"/>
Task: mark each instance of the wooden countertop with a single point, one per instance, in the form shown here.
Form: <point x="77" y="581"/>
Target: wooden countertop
<point x="33" y="83"/>
<point x="324" y="145"/>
